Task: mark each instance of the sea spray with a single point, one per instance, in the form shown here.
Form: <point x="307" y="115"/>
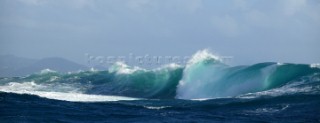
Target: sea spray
<point x="205" y="76"/>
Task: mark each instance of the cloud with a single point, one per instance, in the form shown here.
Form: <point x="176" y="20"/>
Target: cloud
<point x="77" y="4"/>
<point x="315" y="13"/>
<point x="226" y="25"/>
<point x="293" y="6"/>
<point x="187" y="6"/>
<point x="137" y="5"/>
<point x="257" y="18"/>
<point x="192" y="5"/>
<point x="242" y="4"/>
<point x="81" y="3"/>
<point x="184" y="6"/>
<point x="33" y="2"/>
<point x="289" y="21"/>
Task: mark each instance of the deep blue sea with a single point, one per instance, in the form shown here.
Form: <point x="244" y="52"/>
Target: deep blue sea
<point x="203" y="90"/>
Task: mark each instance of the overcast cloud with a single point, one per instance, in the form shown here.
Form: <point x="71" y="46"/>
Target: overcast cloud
<point x="250" y="30"/>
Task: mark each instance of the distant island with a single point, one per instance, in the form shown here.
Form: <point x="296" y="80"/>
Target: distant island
<point x="11" y="66"/>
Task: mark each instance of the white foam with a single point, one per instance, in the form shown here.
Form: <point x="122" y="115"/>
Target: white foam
<point x="288" y="89"/>
<point x="32" y="86"/>
<point x="315" y="65"/>
<point x="93" y="69"/>
<point x="45" y="71"/>
<point x="122" y="68"/>
<point x="279" y="63"/>
<point x="70" y="95"/>
<point x="170" y="66"/>
<point x="268" y="110"/>
<point x="199" y="75"/>
<point x="156" y="107"/>
<point x="201" y="55"/>
<point x="74" y="97"/>
<point x="204" y="99"/>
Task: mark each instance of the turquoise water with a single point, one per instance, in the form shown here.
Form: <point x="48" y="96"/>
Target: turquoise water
<point x="205" y="89"/>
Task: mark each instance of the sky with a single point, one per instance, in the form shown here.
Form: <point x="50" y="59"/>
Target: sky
<point x="250" y="31"/>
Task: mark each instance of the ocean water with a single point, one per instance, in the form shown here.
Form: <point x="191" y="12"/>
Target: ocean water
<point x="204" y="90"/>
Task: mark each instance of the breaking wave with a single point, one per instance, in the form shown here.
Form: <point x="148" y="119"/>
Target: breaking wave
<point x="204" y="77"/>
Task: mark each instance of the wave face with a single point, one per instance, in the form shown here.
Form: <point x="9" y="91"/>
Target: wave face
<point x="205" y="76"/>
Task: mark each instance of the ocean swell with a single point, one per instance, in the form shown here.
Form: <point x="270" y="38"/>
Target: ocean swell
<point x="205" y="76"/>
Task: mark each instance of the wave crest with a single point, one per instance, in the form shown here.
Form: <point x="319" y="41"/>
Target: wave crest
<point x="204" y="77"/>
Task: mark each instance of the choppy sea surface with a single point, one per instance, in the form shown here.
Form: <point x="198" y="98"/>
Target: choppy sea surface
<point x="204" y="90"/>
